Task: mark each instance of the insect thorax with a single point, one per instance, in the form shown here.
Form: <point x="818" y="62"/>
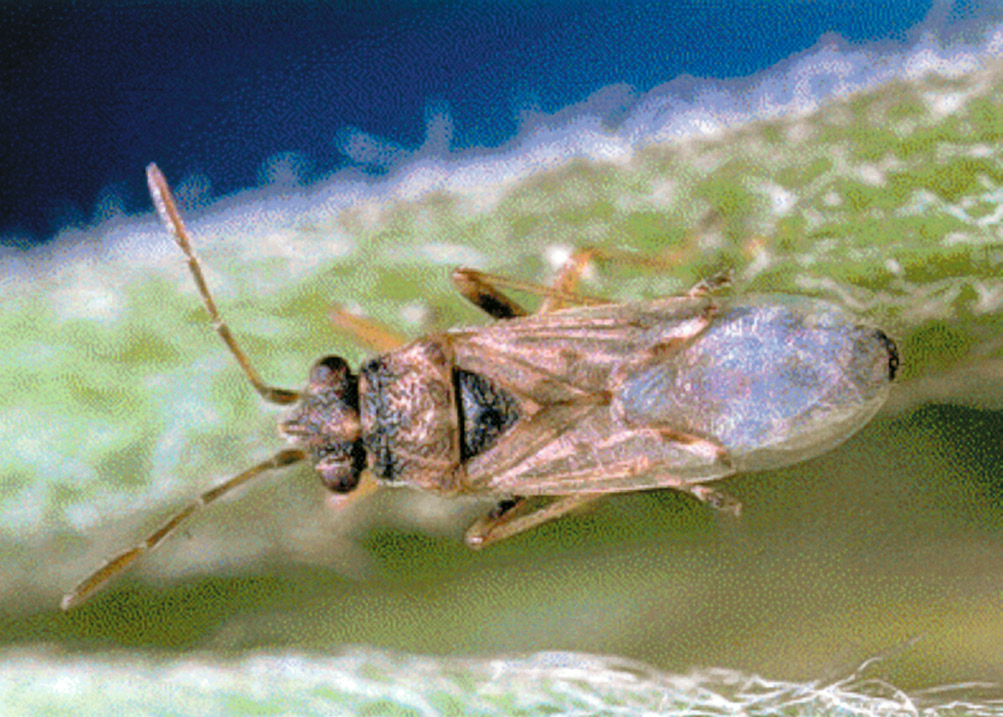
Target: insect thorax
<point x="421" y="417"/>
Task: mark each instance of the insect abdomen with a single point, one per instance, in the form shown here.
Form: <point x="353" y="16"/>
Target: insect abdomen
<point x="774" y="380"/>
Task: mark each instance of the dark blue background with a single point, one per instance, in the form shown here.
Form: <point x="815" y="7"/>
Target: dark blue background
<point x="94" y="91"/>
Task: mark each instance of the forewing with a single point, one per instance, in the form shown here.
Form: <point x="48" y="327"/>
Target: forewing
<point x="567" y="356"/>
<point x="583" y="448"/>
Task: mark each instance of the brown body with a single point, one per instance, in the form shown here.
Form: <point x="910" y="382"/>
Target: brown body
<point x="544" y="413"/>
<point x="543" y="382"/>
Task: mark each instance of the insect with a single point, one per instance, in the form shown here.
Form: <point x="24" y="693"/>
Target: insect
<point x="550" y="411"/>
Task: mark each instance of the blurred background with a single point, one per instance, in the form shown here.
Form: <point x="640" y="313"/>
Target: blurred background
<point x="238" y="94"/>
<point x="336" y="155"/>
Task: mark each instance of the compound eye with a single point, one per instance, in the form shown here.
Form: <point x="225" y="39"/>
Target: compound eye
<point x="338" y="477"/>
<point x="329" y="371"/>
<point x="340" y="467"/>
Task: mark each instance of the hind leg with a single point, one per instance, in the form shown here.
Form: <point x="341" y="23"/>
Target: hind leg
<point x="512" y="517"/>
<point x="484" y="290"/>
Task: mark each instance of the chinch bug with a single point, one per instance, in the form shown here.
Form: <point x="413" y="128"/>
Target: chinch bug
<point x="549" y="411"/>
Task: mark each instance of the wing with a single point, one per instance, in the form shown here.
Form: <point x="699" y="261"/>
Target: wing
<point x="567" y="356"/>
<point x="582" y="448"/>
<point x="560" y="368"/>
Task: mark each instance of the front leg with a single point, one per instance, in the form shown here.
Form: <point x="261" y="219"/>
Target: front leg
<point x="367" y="332"/>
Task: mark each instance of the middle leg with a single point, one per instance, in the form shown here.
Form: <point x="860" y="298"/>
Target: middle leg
<point x="484" y="291"/>
<point x="515" y="516"/>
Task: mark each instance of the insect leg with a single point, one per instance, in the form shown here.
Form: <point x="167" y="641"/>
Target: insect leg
<point x="367" y="332"/>
<point x="484" y="291"/>
<point x="512" y="517"/>
<point x="167" y="208"/>
<point x="716" y="499"/>
<point x="710" y="285"/>
<point x="569" y="276"/>
<point x="713" y="498"/>
<point x="578" y="262"/>
<point x="482" y="288"/>
<point x="121" y="561"/>
<point x="516" y="516"/>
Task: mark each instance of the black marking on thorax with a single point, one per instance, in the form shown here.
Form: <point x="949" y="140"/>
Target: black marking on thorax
<point x="379" y="438"/>
<point x="485" y="412"/>
<point x="416" y="409"/>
